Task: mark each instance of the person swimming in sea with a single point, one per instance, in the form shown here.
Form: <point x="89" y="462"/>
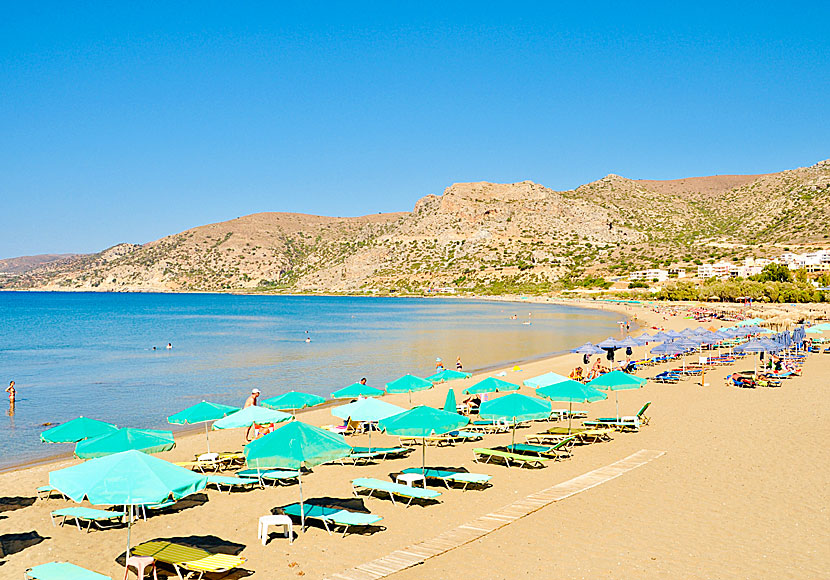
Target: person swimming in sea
<point x="12" y="392"/>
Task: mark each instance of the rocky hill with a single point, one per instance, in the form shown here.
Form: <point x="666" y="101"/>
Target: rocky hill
<point x="481" y="235"/>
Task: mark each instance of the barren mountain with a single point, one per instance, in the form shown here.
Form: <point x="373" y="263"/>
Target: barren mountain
<point x="475" y="235"/>
<point x="24" y="264"/>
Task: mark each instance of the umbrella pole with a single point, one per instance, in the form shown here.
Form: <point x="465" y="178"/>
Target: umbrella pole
<point x="570" y="415"/>
<point x="617" y="401"/>
<point x="514" y="433"/>
<point x="424" y="456"/>
<point x="302" y="509"/>
<point x="207" y="437"/>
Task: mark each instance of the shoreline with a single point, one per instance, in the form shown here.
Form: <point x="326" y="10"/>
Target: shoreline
<point x="189" y="431"/>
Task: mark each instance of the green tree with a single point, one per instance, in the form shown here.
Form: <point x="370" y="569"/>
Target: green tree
<point x="775" y="273"/>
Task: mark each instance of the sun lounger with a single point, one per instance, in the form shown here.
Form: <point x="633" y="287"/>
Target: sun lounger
<point x="559" y="450"/>
<point x="62" y="571"/>
<point x="101" y="519"/>
<point x="367" y="454"/>
<point x="486" y="455"/>
<point x="629" y="422"/>
<point x="485" y="426"/>
<point x="277" y="476"/>
<point x="393" y="489"/>
<point x="46" y="491"/>
<point x="207" y="461"/>
<point x="192" y="560"/>
<point x="448" y="477"/>
<point x="437" y="440"/>
<point x="331" y="515"/>
<point x="231" y="482"/>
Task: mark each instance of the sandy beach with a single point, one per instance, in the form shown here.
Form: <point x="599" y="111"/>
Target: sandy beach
<point x="740" y="492"/>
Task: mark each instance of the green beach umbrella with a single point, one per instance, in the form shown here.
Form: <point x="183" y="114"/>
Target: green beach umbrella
<point x="357" y="390"/>
<point x="571" y="392"/>
<point x="203" y="412"/>
<point x="422" y="421"/>
<point x="368" y="410"/>
<point x="408" y="384"/>
<point x="544" y="380"/>
<point x="128" y="478"/>
<point x="450" y="405"/>
<point x="252" y="415"/>
<point x="292" y="401"/>
<point x="617" y="381"/>
<point x="77" y="430"/>
<point x="145" y="440"/>
<point x="516" y="407"/>
<point x="295" y="446"/>
<point x="448" y="375"/>
<point x="490" y="385"/>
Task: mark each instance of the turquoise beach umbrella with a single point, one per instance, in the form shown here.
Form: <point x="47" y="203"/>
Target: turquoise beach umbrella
<point x="422" y="421"/>
<point x="544" y="380"/>
<point x="450" y="404"/>
<point x="617" y="381"/>
<point x="490" y="385"/>
<point x="128" y="478"/>
<point x="368" y="410"/>
<point x="252" y="415"/>
<point x="296" y="446"/>
<point x="292" y="401"/>
<point x="77" y="430"/>
<point x="571" y="392"/>
<point x="516" y="407"/>
<point x="357" y="390"/>
<point x="203" y="412"/>
<point x="145" y="440"/>
<point x="448" y="375"/>
<point x="408" y="384"/>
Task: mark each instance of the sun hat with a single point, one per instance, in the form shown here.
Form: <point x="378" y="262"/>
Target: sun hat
<point x="255" y="391"/>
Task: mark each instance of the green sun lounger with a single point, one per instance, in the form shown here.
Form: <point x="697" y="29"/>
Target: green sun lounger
<point x="192" y="560"/>
<point x="102" y="519"/>
<point x="449" y="477"/>
<point x="367" y="454"/>
<point x="46" y="491"/>
<point x="486" y="455"/>
<point x="278" y="476"/>
<point x="220" y="480"/>
<point x="631" y="423"/>
<point x="334" y="516"/>
<point x="557" y="451"/>
<point x="62" y="571"/>
<point x="393" y="489"/>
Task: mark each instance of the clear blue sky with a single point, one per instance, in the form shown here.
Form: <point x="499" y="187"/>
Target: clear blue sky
<point x="127" y="123"/>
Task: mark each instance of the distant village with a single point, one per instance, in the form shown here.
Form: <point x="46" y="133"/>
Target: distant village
<point x="811" y="262"/>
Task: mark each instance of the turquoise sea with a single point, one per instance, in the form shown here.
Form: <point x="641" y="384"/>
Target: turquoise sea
<point x="92" y="354"/>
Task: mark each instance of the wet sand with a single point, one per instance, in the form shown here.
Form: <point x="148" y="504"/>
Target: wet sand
<point x="741" y="492"/>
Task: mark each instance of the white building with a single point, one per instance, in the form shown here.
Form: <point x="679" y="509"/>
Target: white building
<point x="649" y="275"/>
<point x="720" y="270"/>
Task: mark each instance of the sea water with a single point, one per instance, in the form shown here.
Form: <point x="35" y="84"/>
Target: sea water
<point x="105" y="355"/>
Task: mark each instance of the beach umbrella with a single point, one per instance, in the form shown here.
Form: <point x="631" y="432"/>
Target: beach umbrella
<point x="571" y="392"/>
<point x="292" y="401"/>
<point x="408" y="384"/>
<point x="357" y="390"/>
<point x="367" y="410"/>
<point x="490" y="385"/>
<point x="667" y="348"/>
<point x="296" y="446"/>
<point x="77" y="430"/>
<point x="758" y="345"/>
<point x="545" y="380"/>
<point x="617" y="381"/>
<point x="516" y="407"/>
<point x="450" y="405"/>
<point x="609" y="342"/>
<point x="253" y="415"/>
<point x="448" y="375"/>
<point x="587" y="348"/>
<point x="203" y="412"/>
<point x="661" y="337"/>
<point x="129" y="478"/>
<point x="422" y="421"/>
<point x="145" y="440"/>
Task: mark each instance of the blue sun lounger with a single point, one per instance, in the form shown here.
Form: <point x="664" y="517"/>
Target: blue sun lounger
<point x="62" y="571"/>
<point x="278" y="476"/>
<point x="102" y="519"/>
<point x="331" y="515"/>
<point x="220" y="480"/>
<point x="451" y="477"/>
<point x="394" y="489"/>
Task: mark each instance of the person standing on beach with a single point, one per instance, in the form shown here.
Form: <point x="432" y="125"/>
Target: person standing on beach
<point x="458" y="366"/>
<point x="12" y="392"/>
<point x="250" y="402"/>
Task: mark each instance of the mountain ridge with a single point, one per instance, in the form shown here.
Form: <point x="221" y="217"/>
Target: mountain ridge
<point x="474" y="235"/>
